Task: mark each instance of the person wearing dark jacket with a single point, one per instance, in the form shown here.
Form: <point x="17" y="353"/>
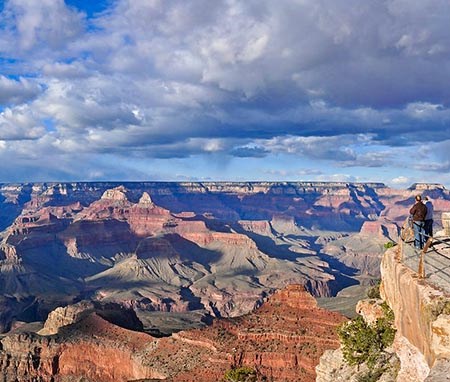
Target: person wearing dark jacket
<point x="418" y="212"/>
<point x="428" y="218"/>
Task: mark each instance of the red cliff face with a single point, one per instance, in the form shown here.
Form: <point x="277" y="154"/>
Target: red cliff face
<point x="282" y="340"/>
<point x="92" y="348"/>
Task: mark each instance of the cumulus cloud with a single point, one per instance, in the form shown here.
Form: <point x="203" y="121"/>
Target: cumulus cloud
<point x="17" y="91"/>
<point x="347" y="83"/>
<point x="19" y="123"/>
<point x="44" y="24"/>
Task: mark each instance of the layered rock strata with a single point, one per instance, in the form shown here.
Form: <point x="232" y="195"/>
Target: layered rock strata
<point x="282" y="341"/>
<point x="215" y="246"/>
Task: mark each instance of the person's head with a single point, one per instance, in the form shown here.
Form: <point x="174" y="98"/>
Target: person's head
<point x="418" y="198"/>
<point x="426" y="198"/>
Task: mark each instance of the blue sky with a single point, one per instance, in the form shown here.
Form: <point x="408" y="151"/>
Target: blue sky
<point x="338" y="90"/>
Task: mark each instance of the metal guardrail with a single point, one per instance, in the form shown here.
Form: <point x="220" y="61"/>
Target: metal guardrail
<point x="408" y="237"/>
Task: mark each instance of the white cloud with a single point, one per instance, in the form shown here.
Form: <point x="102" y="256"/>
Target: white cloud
<point x="17" y="91"/>
<point x="47" y="23"/>
<point x="19" y="123"/>
<point x="401" y="180"/>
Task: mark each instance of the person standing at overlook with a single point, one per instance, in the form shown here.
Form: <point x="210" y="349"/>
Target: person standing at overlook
<point x="418" y="212"/>
<point x="428" y="228"/>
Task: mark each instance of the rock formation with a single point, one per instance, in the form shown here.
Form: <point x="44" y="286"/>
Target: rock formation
<point x="422" y="320"/>
<point x="282" y="340"/>
<point x="421" y="312"/>
<point x="219" y="247"/>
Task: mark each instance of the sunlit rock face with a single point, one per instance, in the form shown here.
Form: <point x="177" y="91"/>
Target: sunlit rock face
<point x="421" y="308"/>
<point x="91" y="349"/>
<point x="421" y="317"/>
<point x="418" y="309"/>
<point x="216" y="246"/>
<point x="283" y="340"/>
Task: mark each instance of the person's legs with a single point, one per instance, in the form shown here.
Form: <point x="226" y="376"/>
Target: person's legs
<point x="423" y="238"/>
<point x="429" y="227"/>
<point x="418" y="234"/>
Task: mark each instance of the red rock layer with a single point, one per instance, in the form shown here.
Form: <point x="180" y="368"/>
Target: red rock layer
<point x="92" y="348"/>
<point x="283" y="340"/>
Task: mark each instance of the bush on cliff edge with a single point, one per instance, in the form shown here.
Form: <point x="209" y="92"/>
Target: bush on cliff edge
<point x="240" y="374"/>
<point x="364" y="343"/>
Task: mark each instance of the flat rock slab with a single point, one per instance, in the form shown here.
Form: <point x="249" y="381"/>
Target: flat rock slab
<point x="437" y="263"/>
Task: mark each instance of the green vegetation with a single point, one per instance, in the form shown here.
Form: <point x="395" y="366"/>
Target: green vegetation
<point x="389" y="244"/>
<point x="373" y="375"/>
<point x="240" y="374"/>
<point x="374" y="292"/>
<point x="364" y="343"/>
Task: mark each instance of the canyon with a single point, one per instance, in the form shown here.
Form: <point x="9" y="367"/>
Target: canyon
<point x="208" y="259"/>
<point x="282" y="340"/>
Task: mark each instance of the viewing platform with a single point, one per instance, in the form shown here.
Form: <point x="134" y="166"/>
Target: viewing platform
<point x="432" y="264"/>
<point x="416" y="285"/>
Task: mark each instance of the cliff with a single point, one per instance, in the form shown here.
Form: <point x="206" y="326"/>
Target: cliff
<point x="282" y="340"/>
<point x="422" y="311"/>
<point x="218" y="247"/>
<point x="421" y="307"/>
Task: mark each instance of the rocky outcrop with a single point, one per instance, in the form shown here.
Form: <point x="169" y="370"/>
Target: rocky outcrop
<point x="380" y="229"/>
<point x="85" y="340"/>
<point x="333" y="368"/>
<point x="282" y="340"/>
<point x="414" y="367"/>
<point x="370" y="309"/>
<point x="419" y="308"/>
<point x="92" y="349"/>
<point x="64" y="316"/>
<point x="422" y="322"/>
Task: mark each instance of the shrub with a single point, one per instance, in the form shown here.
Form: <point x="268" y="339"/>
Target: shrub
<point x="389" y="244"/>
<point x="374" y="292"/>
<point x="240" y="374"/>
<point x="364" y="343"/>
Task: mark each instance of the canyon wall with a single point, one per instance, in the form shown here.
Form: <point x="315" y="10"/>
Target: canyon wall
<point x="282" y="341"/>
<point x="421" y="306"/>
<point x="219" y="247"/>
<point x="422" y="310"/>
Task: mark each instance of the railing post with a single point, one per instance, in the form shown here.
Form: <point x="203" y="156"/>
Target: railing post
<point x="421" y="270"/>
<point x="399" y="252"/>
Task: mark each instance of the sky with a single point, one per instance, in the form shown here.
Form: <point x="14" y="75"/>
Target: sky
<point x="179" y="90"/>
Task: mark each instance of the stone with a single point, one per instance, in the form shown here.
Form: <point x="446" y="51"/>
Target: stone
<point x="413" y="365"/>
<point x="441" y="336"/>
<point x="440" y="371"/>
<point x="446" y="223"/>
<point x="370" y="309"/>
<point x="416" y="305"/>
